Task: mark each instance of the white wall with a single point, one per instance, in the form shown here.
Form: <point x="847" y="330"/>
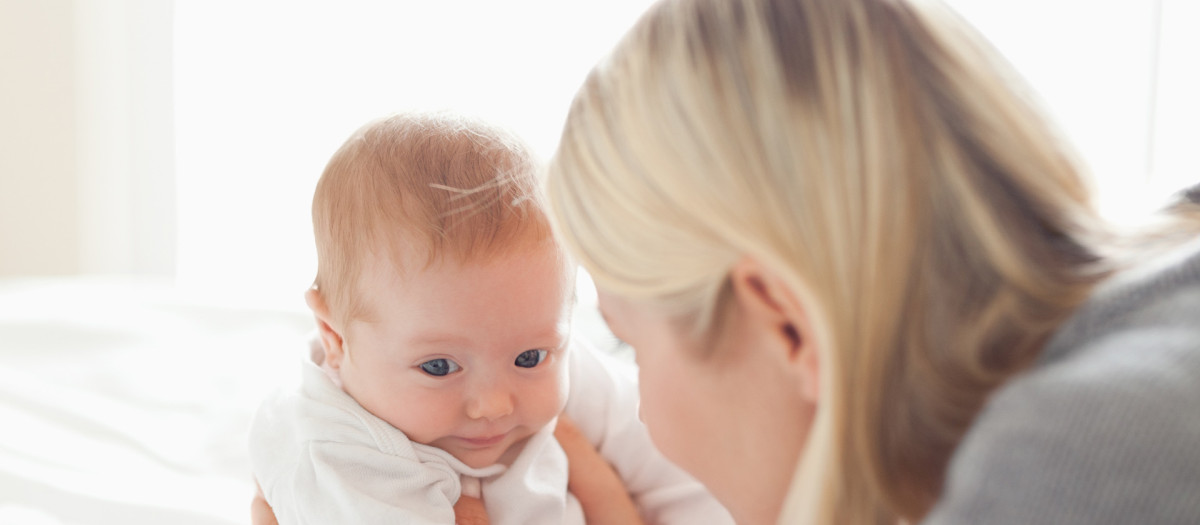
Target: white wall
<point x="1175" y="135"/>
<point x="125" y="130"/>
<point x="86" y="137"/>
<point x="39" y="226"/>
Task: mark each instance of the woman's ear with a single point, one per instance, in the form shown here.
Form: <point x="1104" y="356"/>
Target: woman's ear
<point x="330" y="333"/>
<point x="778" y="308"/>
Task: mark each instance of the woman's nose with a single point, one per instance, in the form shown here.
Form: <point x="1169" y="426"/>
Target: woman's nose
<point x="491" y="403"/>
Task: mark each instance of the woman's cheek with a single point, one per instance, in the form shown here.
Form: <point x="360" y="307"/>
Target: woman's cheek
<point x="659" y="422"/>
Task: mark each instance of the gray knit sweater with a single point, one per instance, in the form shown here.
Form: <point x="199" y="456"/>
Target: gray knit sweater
<point x="1106" y="427"/>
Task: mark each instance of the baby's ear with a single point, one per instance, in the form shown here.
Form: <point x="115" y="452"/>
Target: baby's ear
<point x="329" y="332"/>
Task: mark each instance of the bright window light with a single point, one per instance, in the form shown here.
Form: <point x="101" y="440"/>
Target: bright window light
<point x="1091" y="64"/>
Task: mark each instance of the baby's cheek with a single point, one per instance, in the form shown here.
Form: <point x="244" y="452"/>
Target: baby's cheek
<point x="425" y="418"/>
<point x="551" y="396"/>
<point x="564" y="385"/>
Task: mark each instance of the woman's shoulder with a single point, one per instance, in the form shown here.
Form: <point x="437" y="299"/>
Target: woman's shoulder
<point x="1110" y="437"/>
<point x="1136" y="340"/>
<point x="1104" y="428"/>
<point x="1161" y="295"/>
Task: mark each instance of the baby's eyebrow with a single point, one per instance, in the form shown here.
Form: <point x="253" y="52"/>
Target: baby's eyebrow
<point x="434" y="339"/>
<point x="558" y="337"/>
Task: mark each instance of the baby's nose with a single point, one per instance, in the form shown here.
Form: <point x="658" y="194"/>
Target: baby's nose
<point x="490" y="403"/>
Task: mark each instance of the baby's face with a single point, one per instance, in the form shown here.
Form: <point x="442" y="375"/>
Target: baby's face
<point x="467" y="358"/>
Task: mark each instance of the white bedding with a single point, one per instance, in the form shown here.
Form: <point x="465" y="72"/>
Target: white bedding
<point x="127" y="402"/>
<point x="123" y="402"/>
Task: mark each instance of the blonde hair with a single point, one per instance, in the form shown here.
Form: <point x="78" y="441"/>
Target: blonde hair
<point x="415" y="188"/>
<point x="881" y="158"/>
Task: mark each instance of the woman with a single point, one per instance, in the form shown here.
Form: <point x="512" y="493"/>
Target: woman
<point x="865" y="280"/>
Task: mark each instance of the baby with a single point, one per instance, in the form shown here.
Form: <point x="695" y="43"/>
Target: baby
<point x="443" y="309"/>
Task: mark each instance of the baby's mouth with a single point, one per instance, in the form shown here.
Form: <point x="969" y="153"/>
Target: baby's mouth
<point x="484" y="441"/>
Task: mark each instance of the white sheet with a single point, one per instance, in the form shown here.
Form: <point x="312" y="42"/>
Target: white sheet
<point x="123" y="402"/>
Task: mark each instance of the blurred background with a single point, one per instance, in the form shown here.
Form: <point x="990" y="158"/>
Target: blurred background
<point x="182" y="139"/>
<point x="157" y="159"/>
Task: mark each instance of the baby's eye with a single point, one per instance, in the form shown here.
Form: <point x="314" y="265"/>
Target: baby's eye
<point x="440" y="367"/>
<point x="530" y="358"/>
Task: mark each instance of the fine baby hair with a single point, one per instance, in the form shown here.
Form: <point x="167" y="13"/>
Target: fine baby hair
<point x="414" y="188"/>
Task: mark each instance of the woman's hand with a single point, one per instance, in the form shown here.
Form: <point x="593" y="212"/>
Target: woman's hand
<point x="593" y="481"/>
<point x="260" y="510"/>
<point x="469" y="511"/>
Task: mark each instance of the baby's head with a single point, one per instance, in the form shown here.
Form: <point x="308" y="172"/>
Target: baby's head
<point x="443" y="301"/>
